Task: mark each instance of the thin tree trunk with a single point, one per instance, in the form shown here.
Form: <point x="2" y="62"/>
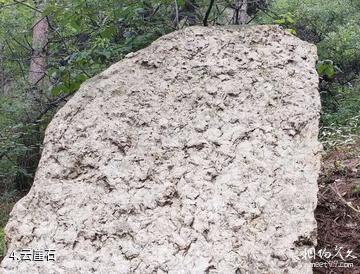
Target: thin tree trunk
<point x="243" y="12"/>
<point x="240" y="12"/>
<point x="188" y="12"/>
<point x="208" y="11"/>
<point x="37" y="70"/>
<point x="2" y="76"/>
<point x="176" y="14"/>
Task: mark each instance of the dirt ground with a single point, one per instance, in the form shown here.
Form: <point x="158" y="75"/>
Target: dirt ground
<point x="338" y="212"/>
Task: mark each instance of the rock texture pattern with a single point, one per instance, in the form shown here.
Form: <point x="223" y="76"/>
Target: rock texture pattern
<point x="198" y="154"/>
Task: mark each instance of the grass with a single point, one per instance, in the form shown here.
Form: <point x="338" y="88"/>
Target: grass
<point x="7" y="201"/>
<point x="2" y="241"/>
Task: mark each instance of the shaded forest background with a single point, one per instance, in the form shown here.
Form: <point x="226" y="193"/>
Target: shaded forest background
<point x="49" y="47"/>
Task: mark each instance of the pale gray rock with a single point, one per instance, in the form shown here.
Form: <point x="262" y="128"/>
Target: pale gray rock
<point x="197" y="154"/>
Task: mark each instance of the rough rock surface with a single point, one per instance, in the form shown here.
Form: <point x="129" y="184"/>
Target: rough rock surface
<point x="198" y="154"/>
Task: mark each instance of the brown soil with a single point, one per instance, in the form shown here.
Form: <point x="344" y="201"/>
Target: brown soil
<point x="338" y="211"/>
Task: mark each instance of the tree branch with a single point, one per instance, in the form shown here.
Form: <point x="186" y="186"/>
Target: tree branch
<point x="206" y="18"/>
<point x="176" y="14"/>
<point x="20" y="65"/>
<point x="52" y="105"/>
<point x="27" y="5"/>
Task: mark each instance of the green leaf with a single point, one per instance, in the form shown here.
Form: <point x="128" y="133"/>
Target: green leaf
<point x="180" y="3"/>
<point x="75" y="26"/>
<point x="48" y="9"/>
<point x="109" y="32"/>
<point x="289" y="18"/>
<point x="280" y="21"/>
<point x="326" y="68"/>
<point x="292" y="31"/>
<point x="57" y="90"/>
<point x="72" y="87"/>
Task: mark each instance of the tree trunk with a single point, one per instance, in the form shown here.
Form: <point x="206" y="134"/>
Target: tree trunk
<point x="188" y="12"/>
<point x="35" y="100"/>
<point x="37" y="70"/>
<point x="2" y="73"/>
<point x="240" y="12"/>
<point x="243" y="12"/>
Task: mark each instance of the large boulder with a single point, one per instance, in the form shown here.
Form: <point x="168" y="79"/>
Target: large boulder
<point x="197" y="154"/>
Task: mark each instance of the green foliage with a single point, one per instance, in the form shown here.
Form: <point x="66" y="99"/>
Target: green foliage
<point x="12" y="108"/>
<point x="326" y="68"/>
<point x="342" y="45"/>
<point x="340" y="125"/>
<point x="285" y="19"/>
<point x="2" y="241"/>
<point x="90" y="35"/>
<point x="7" y="200"/>
<point x="332" y="25"/>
